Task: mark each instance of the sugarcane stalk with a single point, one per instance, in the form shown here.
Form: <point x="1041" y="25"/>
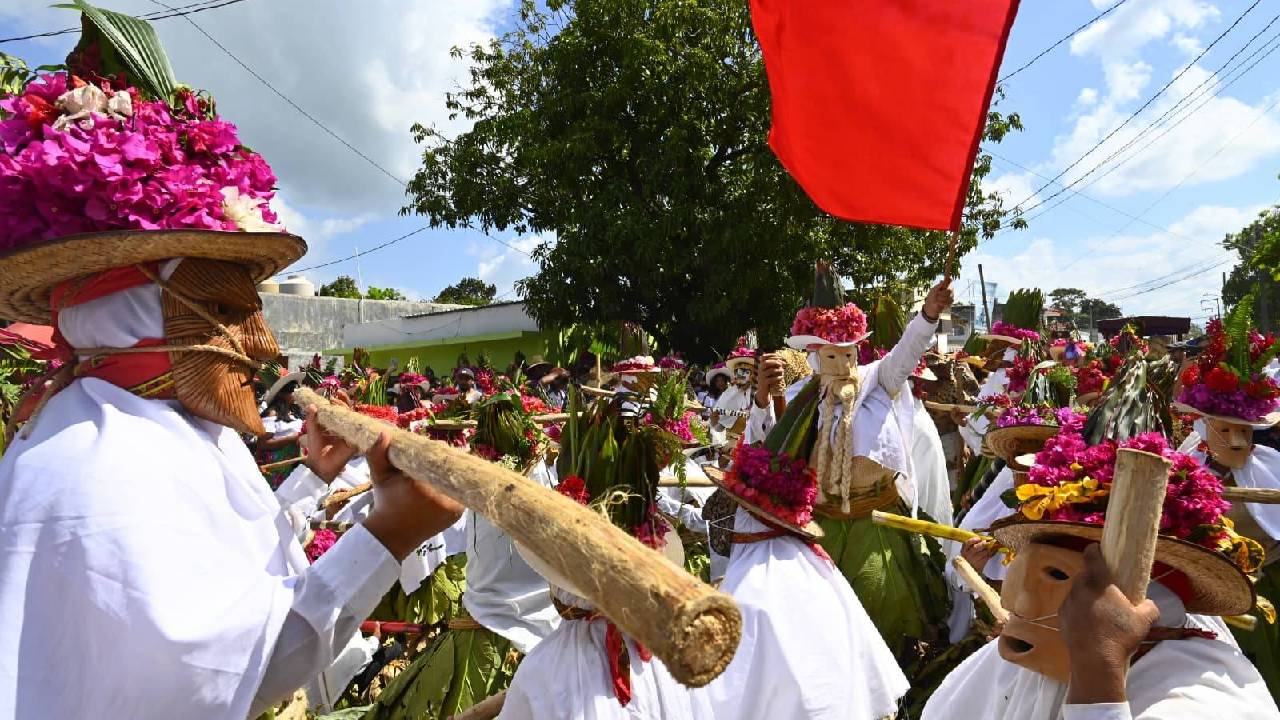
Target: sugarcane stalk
<point x="375" y="627"/>
<point x="924" y="527"/>
<point x="281" y="464"/>
<point x="693" y="628"/>
<point x="981" y="588"/>
<point x="1261" y="496"/>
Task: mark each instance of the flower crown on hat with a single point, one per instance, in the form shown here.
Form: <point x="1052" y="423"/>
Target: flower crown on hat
<point x="1071" y="482"/>
<point x="1228" y="378"/>
<point x="847" y="323"/>
<point x="1001" y="327"/>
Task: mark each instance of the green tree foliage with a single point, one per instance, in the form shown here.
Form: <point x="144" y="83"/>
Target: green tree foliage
<point x="1068" y="299"/>
<point x="468" y="291"/>
<point x="1081" y="308"/>
<point x="1098" y="309"/>
<point x="377" y="293"/>
<point x="1258" y="245"/>
<point x="344" y="287"/>
<point x="636" y="132"/>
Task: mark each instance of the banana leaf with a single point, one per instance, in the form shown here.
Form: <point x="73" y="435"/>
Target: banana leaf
<point x="1024" y="308"/>
<point x="1136" y="401"/>
<point x="122" y="43"/>
<point x="887" y="321"/>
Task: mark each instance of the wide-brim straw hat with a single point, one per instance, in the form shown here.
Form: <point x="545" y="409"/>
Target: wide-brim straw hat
<point x="949" y="407"/>
<point x="1268" y="420"/>
<point x="1001" y="338"/>
<point x="734" y="363"/>
<point x="810" y="530"/>
<point x="720" y="371"/>
<point x="296" y="376"/>
<point x="804" y="342"/>
<point x="1011" y="442"/>
<point x="1218" y="587"/>
<point x="29" y="274"/>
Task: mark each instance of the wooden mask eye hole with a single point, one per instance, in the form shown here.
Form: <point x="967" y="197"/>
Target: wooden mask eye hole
<point x="1056" y="574"/>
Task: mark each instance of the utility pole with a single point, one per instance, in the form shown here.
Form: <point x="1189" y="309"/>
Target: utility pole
<point x="982" y="281"/>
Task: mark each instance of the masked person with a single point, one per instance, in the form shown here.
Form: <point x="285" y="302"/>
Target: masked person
<point x="863" y="424"/>
<point x="1074" y="647"/>
<point x="729" y="416"/>
<point x="146" y="570"/>
<point x="1224" y="438"/>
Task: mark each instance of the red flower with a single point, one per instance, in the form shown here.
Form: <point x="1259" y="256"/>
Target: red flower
<point x="1190" y="376"/>
<point x="1222" y="380"/>
<point x="574" y="488"/>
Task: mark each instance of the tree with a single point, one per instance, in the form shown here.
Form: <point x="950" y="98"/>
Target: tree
<point x="344" y="287"/>
<point x="468" y="291"/>
<point x="377" y="293"/>
<point x="636" y="132"/>
<point x="1095" y="309"/>
<point x="1258" y="245"/>
<point x="1068" y="299"/>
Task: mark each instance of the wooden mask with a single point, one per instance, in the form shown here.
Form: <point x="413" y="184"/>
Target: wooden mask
<point x="1038" y="581"/>
<point x="212" y="385"/>
<point x="837" y="361"/>
<point x="1229" y="442"/>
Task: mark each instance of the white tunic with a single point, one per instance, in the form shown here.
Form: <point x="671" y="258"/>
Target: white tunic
<point x="808" y="648"/>
<point x="146" y="570"/>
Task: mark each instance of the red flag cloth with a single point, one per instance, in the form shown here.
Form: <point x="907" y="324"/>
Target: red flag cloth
<point x="878" y="105"/>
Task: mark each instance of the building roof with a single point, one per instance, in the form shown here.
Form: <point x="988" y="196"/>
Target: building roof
<point x="1146" y="325"/>
<point x="465" y="308"/>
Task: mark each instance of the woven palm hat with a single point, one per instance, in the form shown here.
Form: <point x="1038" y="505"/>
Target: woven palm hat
<point x="1218" y="587"/>
<point x="1011" y="442"/>
<point x="1268" y="420"/>
<point x="810" y="531"/>
<point x="719" y="370"/>
<point x="29" y="274"/>
<point x="734" y="363"/>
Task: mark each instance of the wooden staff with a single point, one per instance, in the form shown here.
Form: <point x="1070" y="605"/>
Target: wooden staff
<point x="979" y="586"/>
<point x="1132" y="525"/>
<point x="549" y="419"/>
<point x="924" y="527"/>
<point x="334" y="525"/>
<point x="692" y="627"/>
<point x="281" y="464"/>
<point x="1262" y="496"/>
<point x="954" y="240"/>
<point x="486" y="709"/>
<point x="376" y="627"/>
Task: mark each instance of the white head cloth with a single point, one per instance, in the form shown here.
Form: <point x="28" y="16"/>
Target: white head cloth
<point x="567" y="676"/>
<point x="1178" y="680"/>
<point x="808" y="648"/>
<point x="108" y="578"/>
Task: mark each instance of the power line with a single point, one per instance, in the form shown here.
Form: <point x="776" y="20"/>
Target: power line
<point x="388" y="243"/>
<point x="180" y="11"/>
<point x="1129" y="119"/>
<point x="1061" y="40"/>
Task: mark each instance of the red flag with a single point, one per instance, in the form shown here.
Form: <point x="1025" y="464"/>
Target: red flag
<point x="878" y="105"/>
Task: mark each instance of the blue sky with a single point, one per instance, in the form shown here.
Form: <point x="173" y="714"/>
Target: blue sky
<point x="1143" y="233"/>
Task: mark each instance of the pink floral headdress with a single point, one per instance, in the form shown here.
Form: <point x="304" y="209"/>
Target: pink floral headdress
<point x="844" y="325"/>
<point x="1228" y="378"/>
<point x="1004" y="329"/>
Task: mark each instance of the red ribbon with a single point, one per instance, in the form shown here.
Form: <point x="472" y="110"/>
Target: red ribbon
<point x="620" y="662"/>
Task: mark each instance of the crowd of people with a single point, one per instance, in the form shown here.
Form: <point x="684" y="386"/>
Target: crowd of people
<point x="188" y="529"/>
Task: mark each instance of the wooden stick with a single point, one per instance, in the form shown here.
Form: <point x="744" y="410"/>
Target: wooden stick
<point x="979" y="585"/>
<point x="1262" y="496"/>
<point x="692" y="627"/>
<point x="924" y="527"/>
<point x="1248" y="623"/>
<point x="673" y="481"/>
<point x="281" y="464"/>
<point x="951" y="254"/>
<point x="1132" y="525"/>
<point x="394" y="628"/>
<point x="549" y="419"/>
<point x="334" y="525"/>
<point x="486" y="709"/>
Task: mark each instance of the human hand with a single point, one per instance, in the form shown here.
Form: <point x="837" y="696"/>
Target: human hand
<point x="979" y="551"/>
<point x="938" y="300"/>
<point x="1102" y="630"/>
<point x="769" y="377"/>
<point x="406" y="512"/>
<point x="327" y="454"/>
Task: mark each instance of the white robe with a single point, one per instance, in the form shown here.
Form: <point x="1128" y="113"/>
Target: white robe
<point x="146" y="570"/>
<point x="808" y="648"/>
<point x="566" y="677"/>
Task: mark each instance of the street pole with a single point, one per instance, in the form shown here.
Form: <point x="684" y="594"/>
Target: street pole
<point x="982" y="281"/>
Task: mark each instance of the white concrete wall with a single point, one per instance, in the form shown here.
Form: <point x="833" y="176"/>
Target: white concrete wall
<point x="502" y="318"/>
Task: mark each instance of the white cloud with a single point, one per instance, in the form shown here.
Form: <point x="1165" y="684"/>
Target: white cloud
<point x="503" y="266"/>
<point x="1014" y="188"/>
<point x="1133" y="25"/>
<point x="1187" y="44"/>
<point x="1087" y="97"/>
<point x="367" y="70"/>
<point x="1112" y="267"/>
<point x="316" y="231"/>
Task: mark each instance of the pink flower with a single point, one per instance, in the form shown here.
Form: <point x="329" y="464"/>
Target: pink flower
<point x="1003" y="328"/>
<point x="320" y="544"/>
<point x="574" y="488"/>
<point x="835" y="325"/>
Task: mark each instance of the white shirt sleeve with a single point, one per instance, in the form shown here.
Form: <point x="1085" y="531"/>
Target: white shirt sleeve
<point x="759" y="423"/>
<point x="898" y="365"/>
<point x="330" y="600"/>
<point x="1099" y="711"/>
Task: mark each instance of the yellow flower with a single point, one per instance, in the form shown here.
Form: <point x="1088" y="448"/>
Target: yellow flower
<point x="1038" y="500"/>
<point x="1245" y="552"/>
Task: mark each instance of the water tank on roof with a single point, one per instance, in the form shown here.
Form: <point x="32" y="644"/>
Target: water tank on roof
<point x="268" y="287"/>
<point x="297" y="285"/>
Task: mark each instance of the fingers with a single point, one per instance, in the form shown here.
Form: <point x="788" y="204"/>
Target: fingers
<point x="1096" y="573"/>
<point x="1148" y="611"/>
<point x="447" y="504"/>
<point x="380" y="465"/>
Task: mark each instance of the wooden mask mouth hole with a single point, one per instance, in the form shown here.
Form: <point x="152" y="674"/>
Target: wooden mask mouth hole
<point x="1016" y="645"/>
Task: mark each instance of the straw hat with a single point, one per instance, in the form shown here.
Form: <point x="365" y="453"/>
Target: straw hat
<point x="29" y="273"/>
<point x="1268" y="420"/>
<point x="810" y="531"/>
<point x="1218" y="587"/>
<point x="294" y="377"/>
<point x="734" y="363"/>
<point x="720" y="370"/>
<point x="1016" y="440"/>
